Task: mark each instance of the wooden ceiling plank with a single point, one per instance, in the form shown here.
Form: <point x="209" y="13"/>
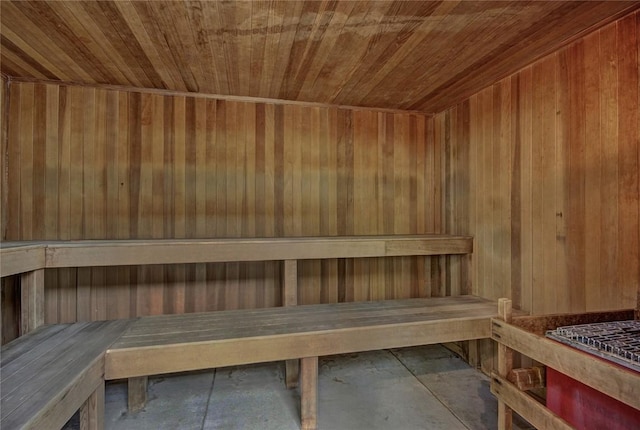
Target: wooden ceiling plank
<point x="395" y="54"/>
<point x="162" y="14"/>
<point x="187" y="38"/>
<point x="379" y="48"/>
<point x="338" y="19"/>
<point x="152" y="49"/>
<point x="412" y="52"/>
<point x="551" y="33"/>
<point x="304" y="46"/>
<point x="192" y="25"/>
<point x="471" y="42"/>
<point x="376" y="42"/>
<point x="213" y="32"/>
<point x="437" y="92"/>
<point x="242" y="37"/>
<point x="124" y="37"/>
<point x="24" y="54"/>
<point x="150" y="26"/>
<point x="403" y="48"/>
<point x="15" y="66"/>
<point x="291" y="13"/>
<point x="259" y="28"/>
<point x="12" y="18"/>
<point x="45" y="18"/>
<point x="342" y="59"/>
<point x="182" y="37"/>
<point x="226" y="16"/>
<point x="272" y="39"/>
<point x="467" y="45"/>
<point x="96" y="40"/>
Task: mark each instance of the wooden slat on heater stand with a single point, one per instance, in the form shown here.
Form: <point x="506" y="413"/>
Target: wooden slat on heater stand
<point x="505" y="364"/>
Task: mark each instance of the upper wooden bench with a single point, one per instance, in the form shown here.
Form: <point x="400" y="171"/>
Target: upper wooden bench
<point x="29" y="259"/>
<point x="26" y="256"/>
<point x="172" y="343"/>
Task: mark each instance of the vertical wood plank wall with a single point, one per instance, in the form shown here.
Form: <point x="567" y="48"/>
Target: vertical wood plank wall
<point x="542" y="168"/>
<point x="9" y="293"/>
<point x="91" y="163"/>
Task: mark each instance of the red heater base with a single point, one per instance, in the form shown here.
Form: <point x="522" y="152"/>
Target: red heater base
<point x="585" y="408"/>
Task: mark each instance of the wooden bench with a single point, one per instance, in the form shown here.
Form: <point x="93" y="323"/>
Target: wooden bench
<point x="53" y="371"/>
<point x="172" y="343"/>
<point x="175" y="343"/>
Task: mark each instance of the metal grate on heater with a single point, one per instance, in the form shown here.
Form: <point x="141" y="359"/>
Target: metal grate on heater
<point x="617" y="341"/>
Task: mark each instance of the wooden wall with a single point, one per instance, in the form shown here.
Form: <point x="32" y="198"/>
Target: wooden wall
<point x="9" y="288"/>
<point x="542" y="168"/>
<point x="92" y="163"/>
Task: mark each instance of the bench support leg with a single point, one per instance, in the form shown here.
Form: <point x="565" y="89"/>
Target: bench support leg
<point x="290" y="298"/>
<point x="92" y="411"/>
<point x="32" y="301"/>
<point x="309" y="393"/>
<point x="291" y="373"/>
<point x="137" y="393"/>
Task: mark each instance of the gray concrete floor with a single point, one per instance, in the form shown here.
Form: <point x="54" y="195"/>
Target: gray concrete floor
<point x="414" y="388"/>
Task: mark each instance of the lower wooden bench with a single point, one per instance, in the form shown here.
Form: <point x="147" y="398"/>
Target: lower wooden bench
<point x="175" y="343"/>
<point x="47" y="375"/>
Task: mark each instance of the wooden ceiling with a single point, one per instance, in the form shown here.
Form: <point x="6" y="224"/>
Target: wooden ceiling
<point x="413" y="55"/>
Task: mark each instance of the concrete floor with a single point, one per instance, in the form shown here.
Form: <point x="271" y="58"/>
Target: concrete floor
<point x="414" y="388"/>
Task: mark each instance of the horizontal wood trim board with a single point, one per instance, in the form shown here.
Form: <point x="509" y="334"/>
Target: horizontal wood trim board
<point x="151" y="360"/>
<point x="226" y="97"/>
<point x="21" y="259"/>
<point x="529" y="408"/>
<point x="140" y="253"/>
<point x="616" y="382"/>
<point x="146" y="252"/>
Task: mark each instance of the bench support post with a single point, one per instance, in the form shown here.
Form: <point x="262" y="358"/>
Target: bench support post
<point x="290" y="298"/>
<point x="92" y="411"/>
<point x="309" y="393"/>
<point x="137" y="388"/>
<point x="505" y="365"/>
<point x="32" y="301"/>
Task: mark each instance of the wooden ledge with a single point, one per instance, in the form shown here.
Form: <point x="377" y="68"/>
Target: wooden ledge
<point x="19" y="257"/>
<point x="22" y="257"/>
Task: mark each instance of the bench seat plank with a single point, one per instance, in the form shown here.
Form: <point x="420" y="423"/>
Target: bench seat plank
<point x="309" y="315"/>
<point x="22" y="344"/>
<point x="50" y="373"/>
<point x="173" y="343"/>
<point x="291" y="324"/>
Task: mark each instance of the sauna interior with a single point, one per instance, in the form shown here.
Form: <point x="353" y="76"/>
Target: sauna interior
<point x="511" y="126"/>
